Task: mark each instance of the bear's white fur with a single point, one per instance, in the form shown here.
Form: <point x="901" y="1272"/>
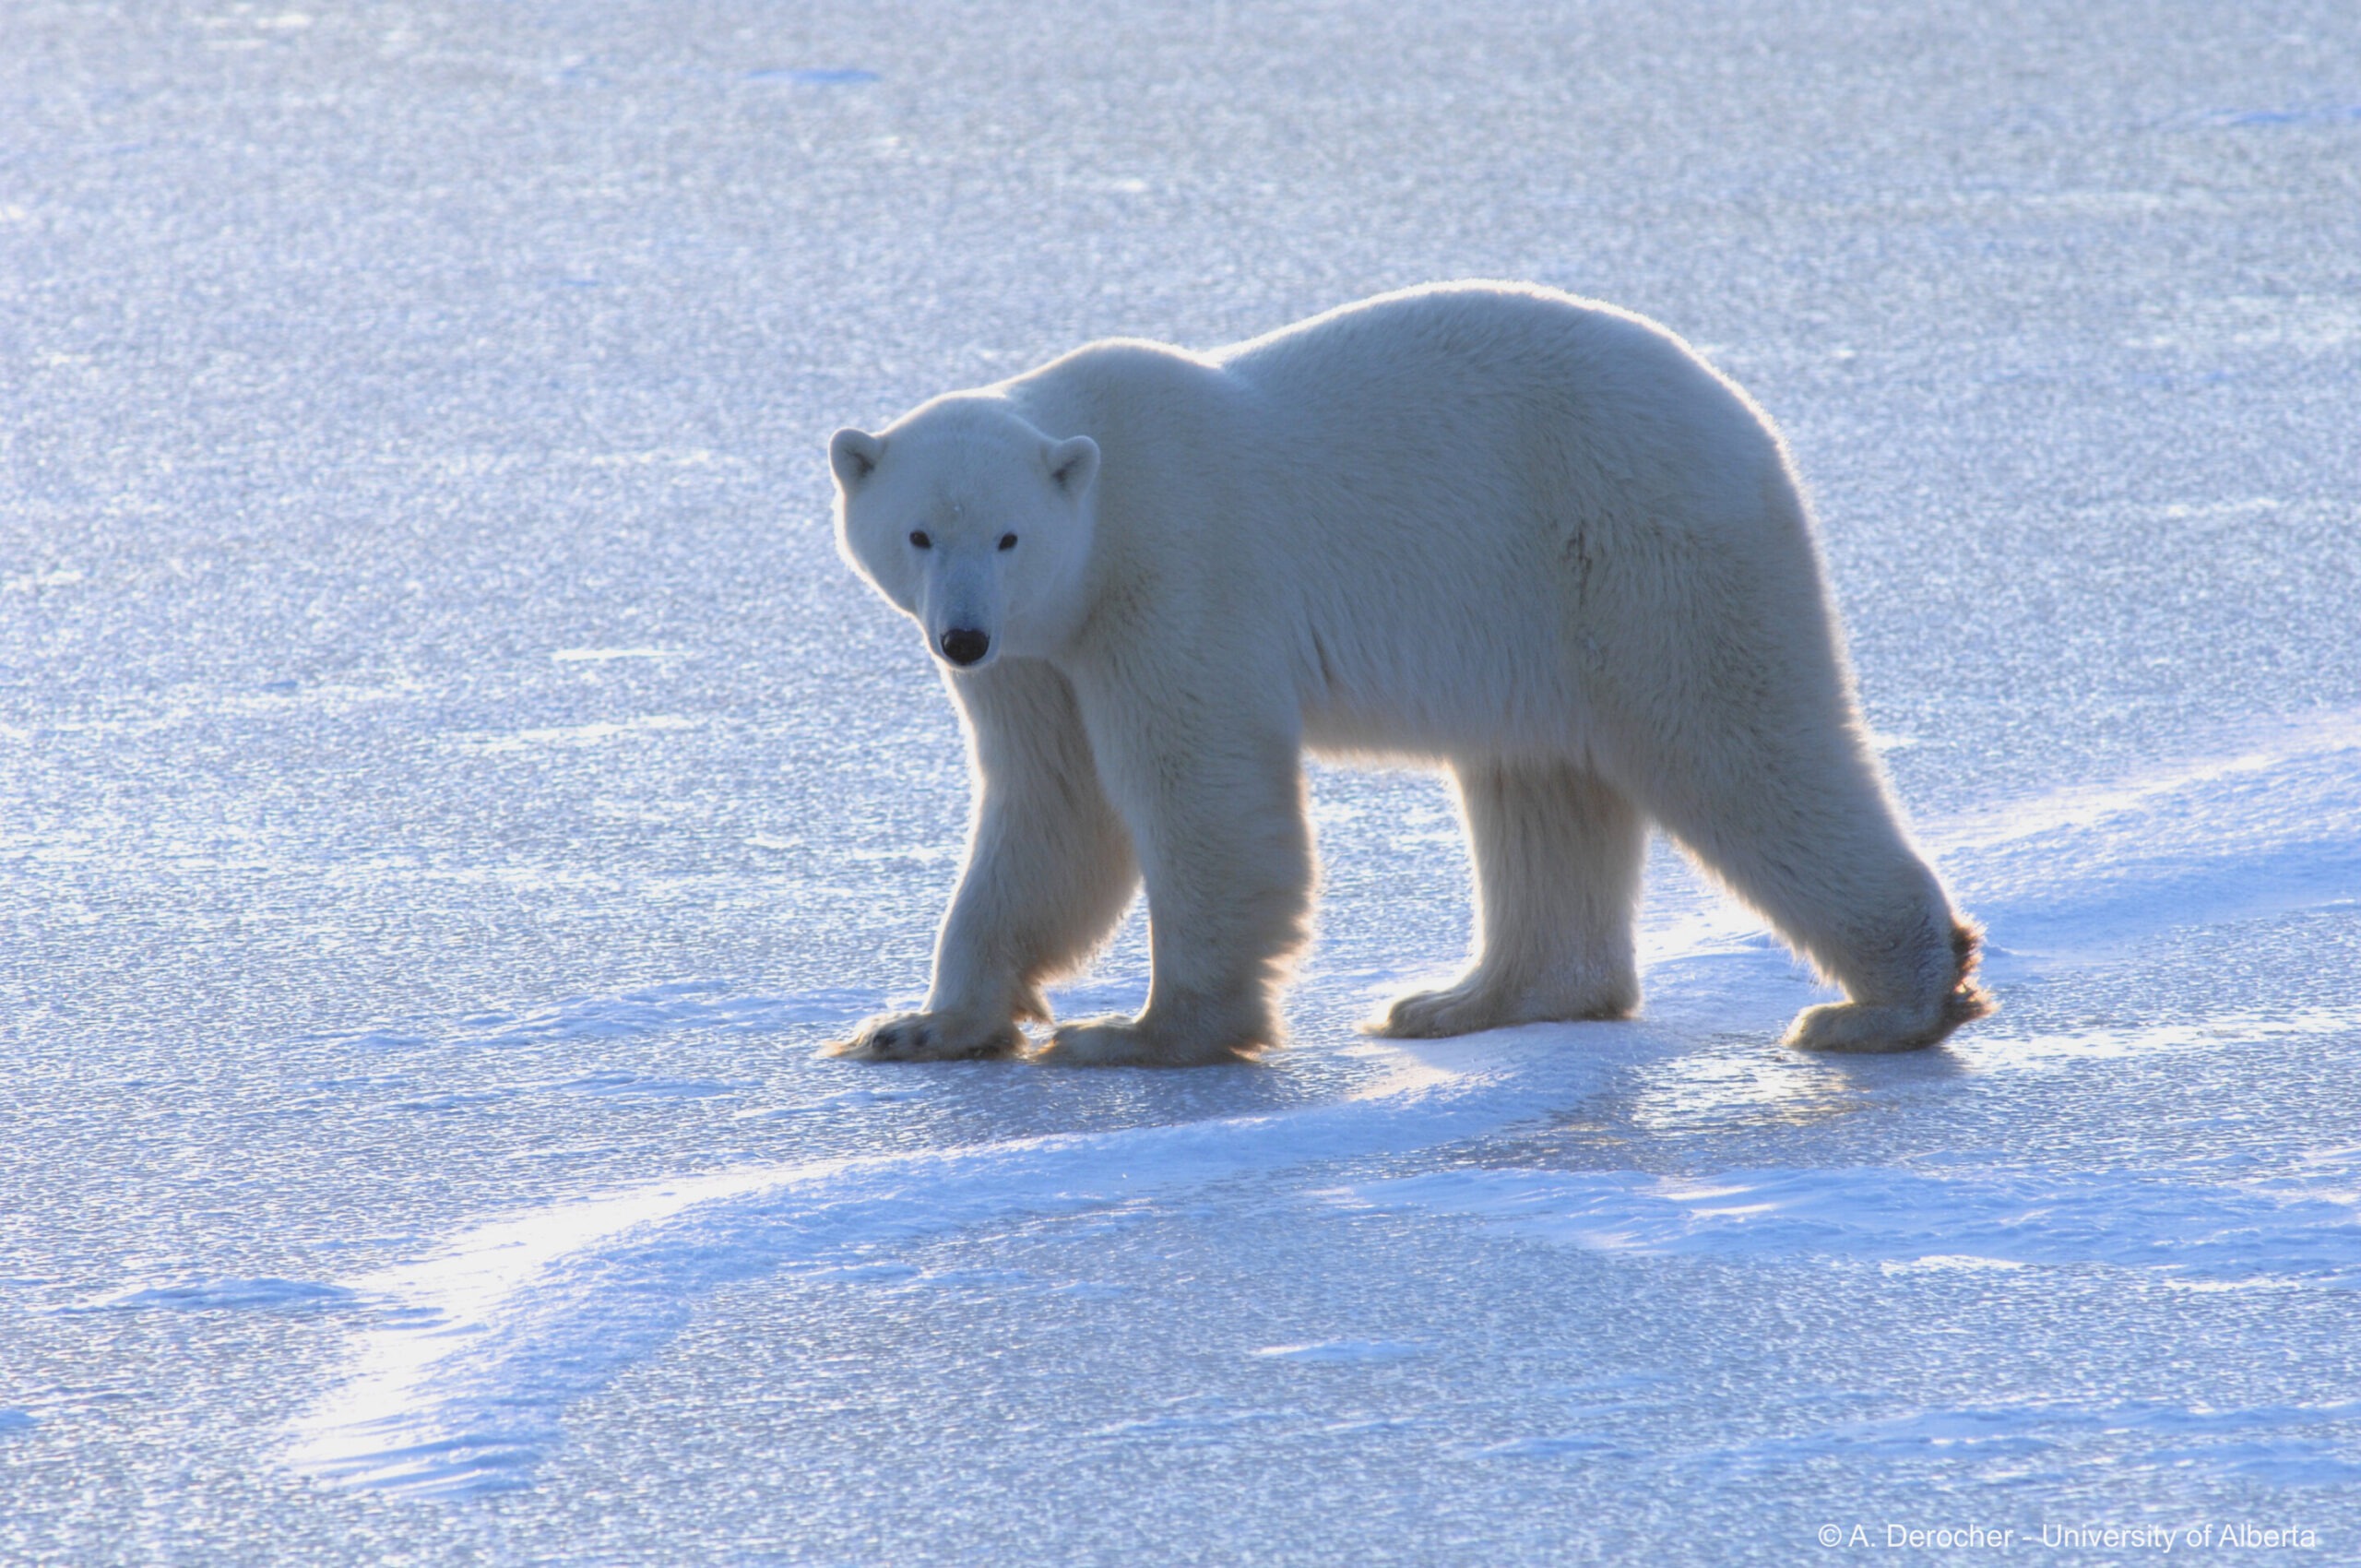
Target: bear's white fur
<point x="1531" y="536"/>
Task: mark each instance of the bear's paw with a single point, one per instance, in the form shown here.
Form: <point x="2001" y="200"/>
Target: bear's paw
<point x="927" y="1037"/>
<point x="1851" y="1028"/>
<point x="1473" y="1005"/>
<point x="1123" y="1042"/>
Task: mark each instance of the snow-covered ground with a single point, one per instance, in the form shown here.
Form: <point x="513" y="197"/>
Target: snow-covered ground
<point x="448" y="788"/>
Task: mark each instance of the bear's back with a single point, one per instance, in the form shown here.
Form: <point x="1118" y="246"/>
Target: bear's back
<point x="1463" y="337"/>
<point x="1424" y="490"/>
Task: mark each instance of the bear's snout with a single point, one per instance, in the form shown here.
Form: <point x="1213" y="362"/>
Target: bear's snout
<point x="965" y="645"/>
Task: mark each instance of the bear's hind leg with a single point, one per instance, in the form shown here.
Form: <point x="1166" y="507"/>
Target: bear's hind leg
<point x="1856" y="1028"/>
<point x="1797" y="822"/>
<point x="1558" y="853"/>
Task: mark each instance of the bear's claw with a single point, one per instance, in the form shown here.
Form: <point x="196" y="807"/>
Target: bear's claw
<point x="925" y="1037"/>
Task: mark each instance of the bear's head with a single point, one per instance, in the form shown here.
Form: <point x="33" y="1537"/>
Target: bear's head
<point x="971" y="522"/>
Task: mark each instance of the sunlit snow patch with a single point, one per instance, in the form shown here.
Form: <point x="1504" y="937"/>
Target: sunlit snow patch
<point x="1956" y="1217"/>
<point x="1345" y="1352"/>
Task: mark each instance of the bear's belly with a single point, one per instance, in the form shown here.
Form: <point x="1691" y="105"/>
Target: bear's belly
<point x="1541" y="708"/>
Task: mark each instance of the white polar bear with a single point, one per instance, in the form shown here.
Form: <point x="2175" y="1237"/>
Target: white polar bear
<point x="1534" y="537"/>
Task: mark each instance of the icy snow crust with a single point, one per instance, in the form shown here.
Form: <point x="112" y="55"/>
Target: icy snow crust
<point x="449" y="788"/>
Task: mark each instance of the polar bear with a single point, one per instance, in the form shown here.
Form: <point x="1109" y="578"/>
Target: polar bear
<point x="1531" y="537"/>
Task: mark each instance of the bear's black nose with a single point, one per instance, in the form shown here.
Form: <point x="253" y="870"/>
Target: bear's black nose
<point x="965" y="645"/>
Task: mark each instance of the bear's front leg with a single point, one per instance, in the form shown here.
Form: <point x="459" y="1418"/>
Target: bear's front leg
<point x="1219" y="822"/>
<point x="1049" y="869"/>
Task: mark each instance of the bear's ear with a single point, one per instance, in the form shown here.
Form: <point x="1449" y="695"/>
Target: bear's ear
<point x="854" y="454"/>
<point x="1072" y="464"/>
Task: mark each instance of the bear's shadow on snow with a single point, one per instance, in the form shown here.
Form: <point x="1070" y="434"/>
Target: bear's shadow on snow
<point x="998" y="1094"/>
<point x="1704" y="1053"/>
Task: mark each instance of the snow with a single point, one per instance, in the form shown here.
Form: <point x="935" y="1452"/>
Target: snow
<point x="449" y="788"/>
<point x="2277" y="1233"/>
<point x="499" y="1331"/>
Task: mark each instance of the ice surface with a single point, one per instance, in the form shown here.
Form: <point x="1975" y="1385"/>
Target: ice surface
<point x="2231" y="1235"/>
<point x="235" y="1295"/>
<point x="489" y="1339"/>
<point x="448" y="788"/>
<point x="1344" y="1352"/>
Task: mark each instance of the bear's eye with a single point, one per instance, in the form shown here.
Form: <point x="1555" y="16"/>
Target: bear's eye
<point x="919" y="538"/>
<point x="1008" y="541"/>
